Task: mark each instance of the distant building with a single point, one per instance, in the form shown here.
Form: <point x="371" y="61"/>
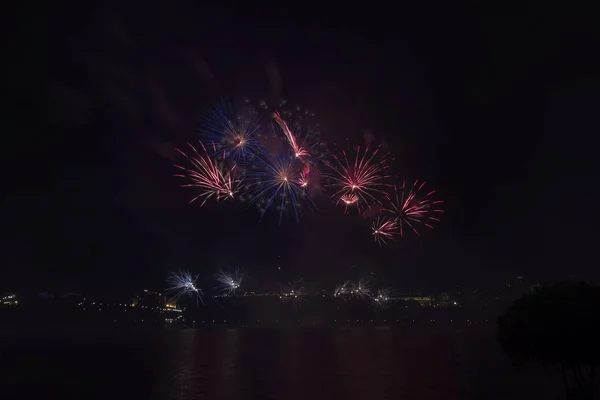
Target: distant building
<point x="443" y="300"/>
<point x="535" y="287"/>
<point x="150" y="299"/>
<point x="9" y="300"/>
<point x="422" y="300"/>
<point x="171" y="305"/>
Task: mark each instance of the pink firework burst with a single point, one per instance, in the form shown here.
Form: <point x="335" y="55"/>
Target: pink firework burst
<point x="385" y="229"/>
<point x="348" y="200"/>
<point x="207" y="175"/>
<point x="413" y="206"/>
<point x="359" y="174"/>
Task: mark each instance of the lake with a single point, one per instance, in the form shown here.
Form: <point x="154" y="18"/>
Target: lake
<point x="342" y="363"/>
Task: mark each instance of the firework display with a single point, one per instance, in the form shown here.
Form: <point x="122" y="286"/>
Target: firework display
<point x="274" y="158"/>
<point x="362" y="290"/>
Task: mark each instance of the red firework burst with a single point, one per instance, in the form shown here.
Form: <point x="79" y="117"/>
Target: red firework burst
<point x="207" y="175"/>
<point x="411" y="206"/>
<point x="385" y="229"/>
<point x="359" y="174"/>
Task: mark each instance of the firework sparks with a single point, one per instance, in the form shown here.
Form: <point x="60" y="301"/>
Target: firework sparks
<point x="280" y="164"/>
<point x="382" y="298"/>
<point x="294" y="291"/>
<point x="233" y="130"/>
<point x="208" y="176"/>
<point x="342" y="290"/>
<point x="358" y="176"/>
<point x="183" y="283"/>
<point x="385" y="229"/>
<point x="229" y="282"/>
<point x="360" y="290"/>
<point x="411" y="206"/>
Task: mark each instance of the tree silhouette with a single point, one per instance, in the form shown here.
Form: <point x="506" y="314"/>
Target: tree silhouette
<point x="557" y="326"/>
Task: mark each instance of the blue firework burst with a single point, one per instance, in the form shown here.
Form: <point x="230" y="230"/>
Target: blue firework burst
<point x="233" y="129"/>
<point x="277" y="182"/>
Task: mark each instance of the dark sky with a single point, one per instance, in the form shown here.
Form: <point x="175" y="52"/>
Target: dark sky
<point x="498" y="113"/>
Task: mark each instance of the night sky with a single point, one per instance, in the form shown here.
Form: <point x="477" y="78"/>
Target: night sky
<point x="499" y="114"/>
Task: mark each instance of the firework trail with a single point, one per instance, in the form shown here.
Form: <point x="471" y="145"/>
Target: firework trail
<point x="277" y="183"/>
<point x="411" y="206"/>
<point x="298" y="150"/>
<point x="207" y="175"/>
<point x="183" y="283"/>
<point x="229" y="282"/>
<point x="359" y="175"/>
<point x="233" y="130"/>
<point x="385" y="229"/>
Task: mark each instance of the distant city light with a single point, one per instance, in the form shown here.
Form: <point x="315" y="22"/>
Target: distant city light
<point x="9" y="300"/>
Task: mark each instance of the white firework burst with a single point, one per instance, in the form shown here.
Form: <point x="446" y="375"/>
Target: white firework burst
<point x="182" y="283"/>
<point x="382" y="298"/>
<point x="293" y="291"/>
<point x="229" y="282"/>
<point x="361" y="289"/>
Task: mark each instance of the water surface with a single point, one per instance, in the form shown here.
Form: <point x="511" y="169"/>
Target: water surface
<point x="351" y="363"/>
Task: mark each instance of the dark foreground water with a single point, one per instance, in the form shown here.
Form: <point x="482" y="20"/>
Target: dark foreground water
<point x="352" y="363"/>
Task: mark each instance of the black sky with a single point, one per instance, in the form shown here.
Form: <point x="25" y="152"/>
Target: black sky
<point x="499" y="113"/>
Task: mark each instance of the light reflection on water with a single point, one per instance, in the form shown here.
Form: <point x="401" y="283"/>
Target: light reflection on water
<point x="352" y="363"/>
